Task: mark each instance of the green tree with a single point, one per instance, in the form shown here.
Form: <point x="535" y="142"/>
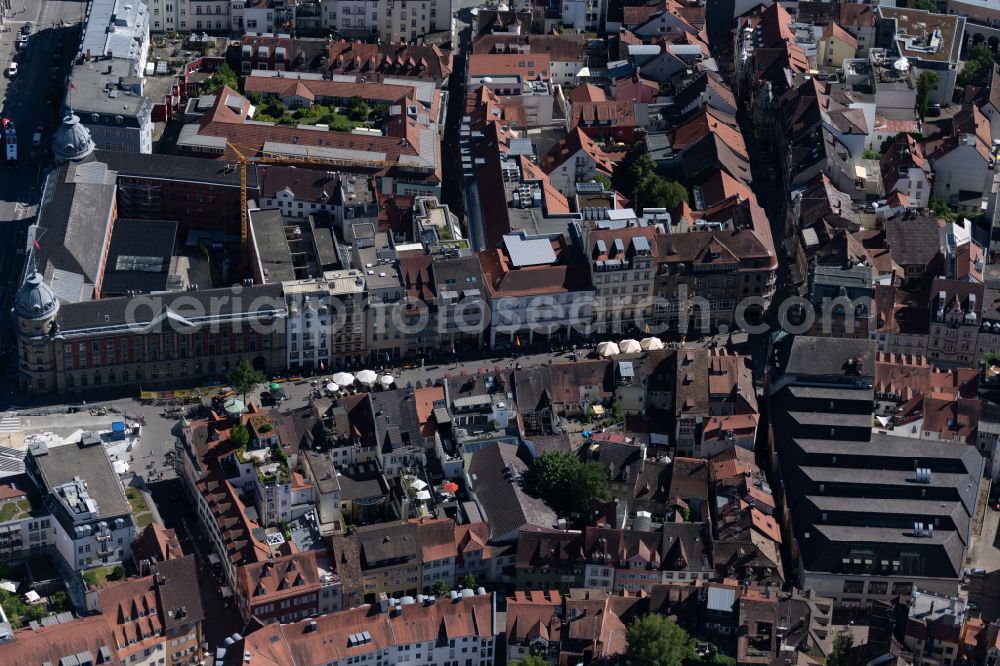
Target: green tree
<point x="604" y="181"/>
<point x="654" y="640"/>
<point x="225" y="76"/>
<point x="469" y="581"/>
<point x="358" y="109"/>
<point x="119" y="572"/>
<point x="639" y="180"/>
<point x="239" y="436"/>
<point x="928" y="5"/>
<point x="870" y="154"/>
<point x="565" y="483"/>
<point x="591" y="483"/>
<point x="90" y="578"/>
<point x="925" y="84"/>
<point x="245" y="378"/>
<point x="440" y="588"/>
<point x="941" y="209"/>
<point x="657" y="192"/>
<point x="840" y="655"/>
<point x="530" y="660"/>
<point x="977" y="59"/>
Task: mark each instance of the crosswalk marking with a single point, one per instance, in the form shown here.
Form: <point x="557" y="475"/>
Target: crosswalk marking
<point x="10" y="424"/>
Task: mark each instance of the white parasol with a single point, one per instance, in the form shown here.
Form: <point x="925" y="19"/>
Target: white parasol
<point x="343" y="378"/>
<point x="629" y="346"/>
<point x="651" y="344"/>
<point x="606" y="349"/>
<point x="367" y="377"/>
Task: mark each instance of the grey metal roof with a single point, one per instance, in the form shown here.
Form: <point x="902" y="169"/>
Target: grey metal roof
<point x="529" y="251"/>
<point x="721" y="599"/>
<point x="640" y="244"/>
<point x="116" y="27"/>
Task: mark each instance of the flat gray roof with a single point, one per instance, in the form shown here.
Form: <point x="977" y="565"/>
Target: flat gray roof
<point x="91" y="464"/>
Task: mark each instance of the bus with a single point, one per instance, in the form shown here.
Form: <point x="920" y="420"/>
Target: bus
<point x="10" y="138"/>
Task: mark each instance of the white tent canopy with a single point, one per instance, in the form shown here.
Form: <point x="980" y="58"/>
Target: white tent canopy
<point x="343" y="378"/>
<point x="651" y="344"/>
<point x="606" y="349"/>
<point x="367" y="377"/>
<point x="332" y="386"/>
<point x="629" y="346"/>
<point x="386" y="380"/>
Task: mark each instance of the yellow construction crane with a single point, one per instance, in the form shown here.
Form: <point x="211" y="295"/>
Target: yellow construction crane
<point x="261" y="157"/>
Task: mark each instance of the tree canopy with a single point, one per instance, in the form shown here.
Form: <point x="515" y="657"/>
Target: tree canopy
<point x="977" y="59"/>
<point x="225" y="76"/>
<point x="239" y="436"/>
<point x="244" y="378"/>
<point x="566" y="483"/>
<point x="531" y="660"/>
<point x="841" y="652"/>
<point x="925" y="84"/>
<point x="654" y="640"/>
<point x="638" y="179"/>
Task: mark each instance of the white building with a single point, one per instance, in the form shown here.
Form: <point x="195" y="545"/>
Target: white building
<point x="326" y="319"/>
<point x="351" y="17"/>
<point x="107" y="88"/>
<point x="93" y="524"/>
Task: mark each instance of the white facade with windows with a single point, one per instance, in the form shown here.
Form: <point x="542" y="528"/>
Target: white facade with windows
<point x="326" y="320"/>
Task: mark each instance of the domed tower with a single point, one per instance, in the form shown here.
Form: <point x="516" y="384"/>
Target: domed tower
<point x="36" y="306"/>
<point x="72" y="140"/>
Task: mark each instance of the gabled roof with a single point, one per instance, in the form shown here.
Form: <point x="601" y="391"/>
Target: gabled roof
<point x="574" y="142"/>
<point x="588" y="92"/>
<point x="422" y="61"/>
<point x="835" y="31"/>
<point x="278" y="578"/>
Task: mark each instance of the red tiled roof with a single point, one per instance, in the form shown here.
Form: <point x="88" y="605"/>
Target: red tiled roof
<point x="765" y="524"/>
<point x="132" y="611"/>
<point x="278" y="578"/>
<point x="437" y="538"/>
<point x="50" y="644"/>
<point x="570" y="145"/>
<point x="588" y="92"/>
<point x="425" y="398"/>
<point x="284" y="86"/>
<point x="294" y="645"/>
<point x="420" y="61"/>
<point x="527" y="66"/>
<point x="603" y="114"/>
<point x="834" y="30"/>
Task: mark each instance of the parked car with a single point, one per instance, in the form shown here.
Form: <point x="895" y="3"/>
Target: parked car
<point x="26" y="28"/>
<point x="22" y="41"/>
<point x="12" y="70"/>
<point x="934" y="110"/>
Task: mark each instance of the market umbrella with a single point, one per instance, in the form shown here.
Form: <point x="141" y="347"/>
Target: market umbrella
<point x="234" y="407"/>
<point x="386" y="380"/>
<point x="366" y="377"/>
<point x="343" y="378"/>
<point x="332" y="386"/>
<point x="651" y="344"/>
<point x="606" y="349"/>
<point x="629" y="346"/>
<point x="275" y="385"/>
<point x="450" y="486"/>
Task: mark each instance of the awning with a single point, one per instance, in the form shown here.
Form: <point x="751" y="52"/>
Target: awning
<point x="213" y="558"/>
<point x="424" y="495"/>
<point x="418" y="484"/>
<point x="860" y="172"/>
<point x="598" y="410"/>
